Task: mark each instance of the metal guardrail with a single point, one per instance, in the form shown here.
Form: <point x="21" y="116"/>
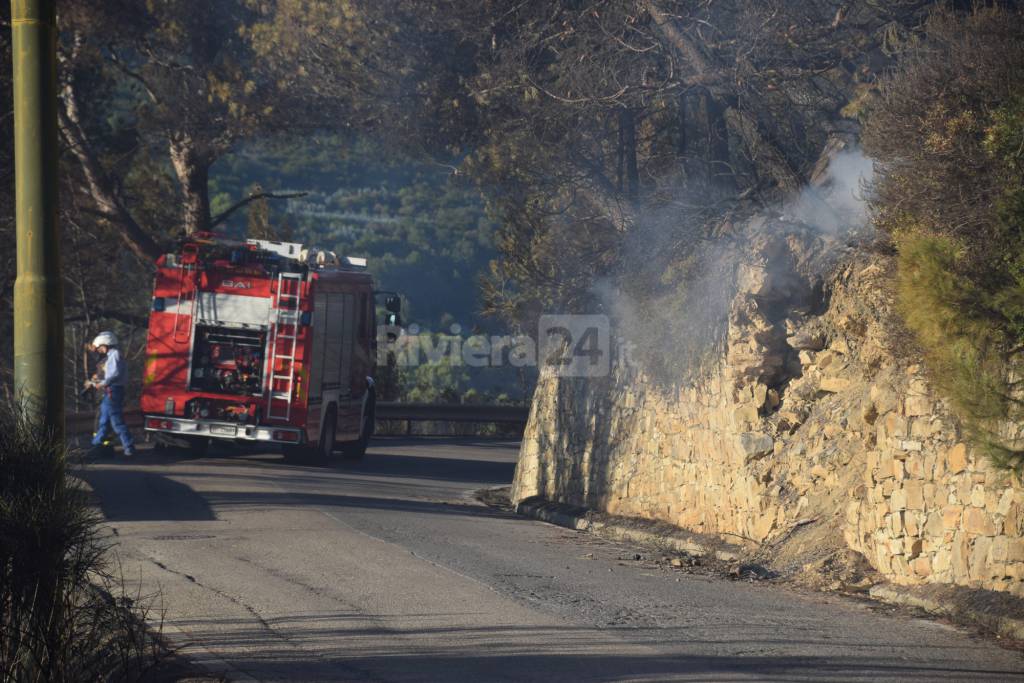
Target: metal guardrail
<point x="454" y="412"/>
<point x="83" y="422"/>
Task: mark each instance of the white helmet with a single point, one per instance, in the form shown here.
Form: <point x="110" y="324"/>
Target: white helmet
<point x="105" y="339"/>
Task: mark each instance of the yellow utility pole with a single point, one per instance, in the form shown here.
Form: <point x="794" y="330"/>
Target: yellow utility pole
<point x="38" y="290"/>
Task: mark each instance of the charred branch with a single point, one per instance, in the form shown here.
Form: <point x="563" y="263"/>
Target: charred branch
<point x="101" y="188"/>
<point x="224" y="215"/>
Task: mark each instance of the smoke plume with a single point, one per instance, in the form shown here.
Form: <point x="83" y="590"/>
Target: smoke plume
<point x="672" y="319"/>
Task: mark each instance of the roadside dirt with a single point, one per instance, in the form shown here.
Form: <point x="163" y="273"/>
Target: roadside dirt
<point x="807" y="560"/>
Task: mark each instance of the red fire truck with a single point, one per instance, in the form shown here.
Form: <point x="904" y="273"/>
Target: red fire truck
<point x="264" y="342"/>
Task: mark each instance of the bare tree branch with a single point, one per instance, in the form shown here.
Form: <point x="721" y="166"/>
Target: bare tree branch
<point x="101" y="187"/>
<point x="704" y="71"/>
<point x="134" y="75"/>
<point x="223" y="215"/>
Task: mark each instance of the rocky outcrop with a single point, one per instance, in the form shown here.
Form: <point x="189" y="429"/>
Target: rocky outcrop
<point x="815" y="415"/>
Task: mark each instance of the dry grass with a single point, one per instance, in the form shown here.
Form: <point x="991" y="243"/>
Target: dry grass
<point x="64" y="612"/>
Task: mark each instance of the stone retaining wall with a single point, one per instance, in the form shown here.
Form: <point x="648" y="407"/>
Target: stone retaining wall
<point x="808" y="418"/>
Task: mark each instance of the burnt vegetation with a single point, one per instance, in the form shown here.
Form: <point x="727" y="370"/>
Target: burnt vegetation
<point x="614" y="145"/>
<point x="948" y="131"/>
<point x="65" y="614"/>
<point x="581" y="146"/>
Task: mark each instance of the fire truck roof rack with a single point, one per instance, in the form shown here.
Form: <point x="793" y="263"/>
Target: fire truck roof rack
<point x="314" y="257"/>
<point x="287" y="256"/>
<point x="291" y="250"/>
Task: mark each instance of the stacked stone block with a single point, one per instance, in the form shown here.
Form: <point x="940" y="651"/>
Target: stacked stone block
<point x="806" y="418"/>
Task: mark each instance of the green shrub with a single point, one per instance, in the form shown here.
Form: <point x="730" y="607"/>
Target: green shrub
<point x="57" y="622"/>
<point x="965" y="303"/>
<point x="969" y="346"/>
<point x="947" y="130"/>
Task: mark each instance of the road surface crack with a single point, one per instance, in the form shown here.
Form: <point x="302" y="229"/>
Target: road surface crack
<point x="362" y="674"/>
<point x="227" y="596"/>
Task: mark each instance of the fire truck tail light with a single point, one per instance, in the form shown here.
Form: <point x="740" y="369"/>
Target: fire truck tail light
<point x="157" y="423"/>
<point x="306" y="318"/>
<point x="285" y="436"/>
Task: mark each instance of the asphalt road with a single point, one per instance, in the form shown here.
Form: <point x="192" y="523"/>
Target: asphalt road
<point x="387" y="570"/>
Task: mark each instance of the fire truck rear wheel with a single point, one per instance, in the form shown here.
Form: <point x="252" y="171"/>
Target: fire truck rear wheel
<point x="354" y="450"/>
<point x="325" y="447"/>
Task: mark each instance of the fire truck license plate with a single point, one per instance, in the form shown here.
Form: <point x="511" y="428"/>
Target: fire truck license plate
<point x="222" y="430"/>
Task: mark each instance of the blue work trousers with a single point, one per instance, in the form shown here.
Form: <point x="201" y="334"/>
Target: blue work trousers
<point x="112" y="416"/>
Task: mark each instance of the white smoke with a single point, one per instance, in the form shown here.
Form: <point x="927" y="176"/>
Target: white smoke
<point x="833" y="204"/>
<point x="835" y="201"/>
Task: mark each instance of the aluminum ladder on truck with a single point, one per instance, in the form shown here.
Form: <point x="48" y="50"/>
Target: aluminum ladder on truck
<point x="186" y="271"/>
<point x="284" y="335"/>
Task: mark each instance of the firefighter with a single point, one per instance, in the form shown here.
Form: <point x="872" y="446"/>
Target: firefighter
<point x="112" y="386"/>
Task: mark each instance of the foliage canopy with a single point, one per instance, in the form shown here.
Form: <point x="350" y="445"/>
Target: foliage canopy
<point x="948" y="131"/>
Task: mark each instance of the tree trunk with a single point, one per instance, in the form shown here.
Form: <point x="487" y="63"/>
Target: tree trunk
<point x="717" y="157"/>
<point x="100" y="186"/>
<point x="767" y="158"/>
<point x="702" y="71"/>
<point x="193" y="169"/>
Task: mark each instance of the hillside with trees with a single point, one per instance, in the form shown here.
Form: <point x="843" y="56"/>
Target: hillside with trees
<point x="948" y="133"/>
<point x="802" y="220"/>
<point x="591" y="146"/>
<point x="178" y="136"/>
<point x="426" y="234"/>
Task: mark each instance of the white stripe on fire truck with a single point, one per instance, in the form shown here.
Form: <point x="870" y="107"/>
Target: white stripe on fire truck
<point x="225" y="308"/>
